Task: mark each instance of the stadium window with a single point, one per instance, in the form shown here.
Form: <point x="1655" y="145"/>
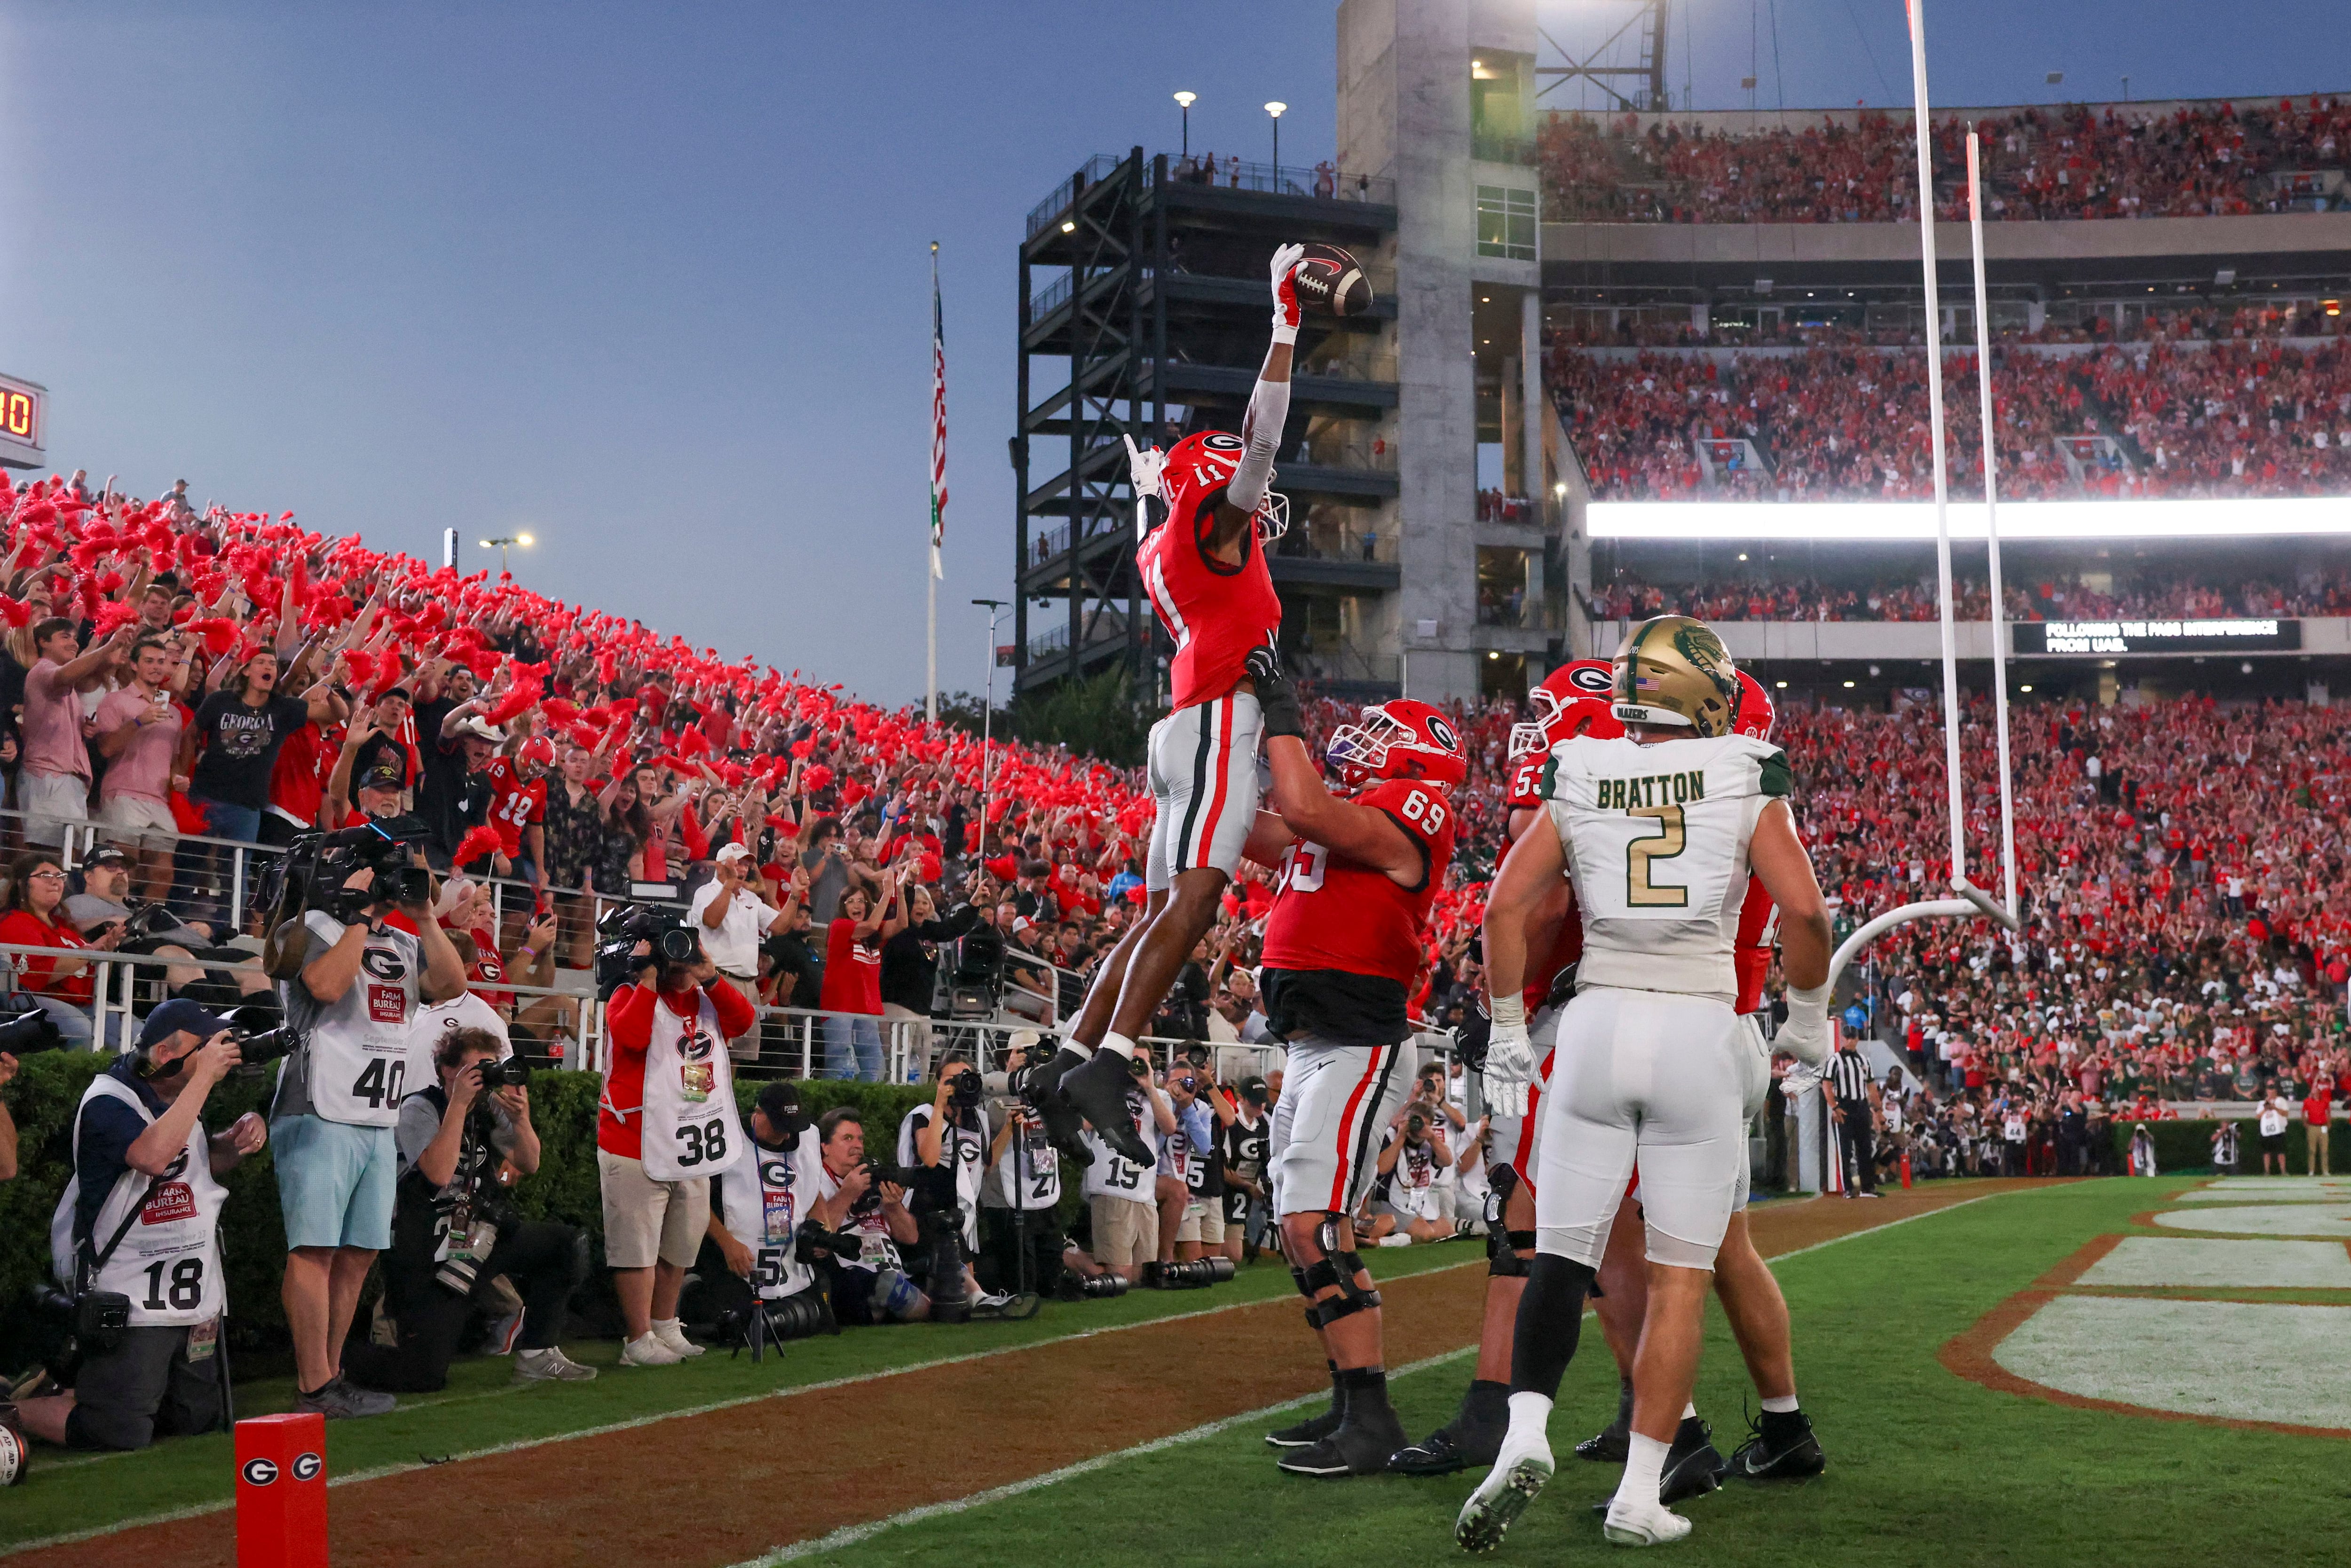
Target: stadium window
<point x="1506" y="222"/>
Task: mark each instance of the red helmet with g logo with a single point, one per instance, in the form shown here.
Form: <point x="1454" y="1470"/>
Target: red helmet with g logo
<point x="1399" y="739"/>
<point x="1573" y="700"/>
<point x="1756" y="713"/>
<point x="1197" y="468"/>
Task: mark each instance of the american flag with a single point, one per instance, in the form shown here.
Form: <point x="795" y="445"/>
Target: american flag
<point x="938" y="417"/>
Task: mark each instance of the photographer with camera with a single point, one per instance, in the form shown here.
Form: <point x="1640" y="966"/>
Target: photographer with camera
<point x="1122" y="1197"/>
<point x="756" y="1209"/>
<point x="1193" y="1156"/>
<point x="1248" y="1148"/>
<point x="666" y="1125"/>
<point x="462" y="1140"/>
<point x="943" y="1150"/>
<point x="1022" y="1190"/>
<point x="856" y="1228"/>
<point x="354" y="968"/>
<point x="136" y="1240"/>
<point x="1414" y="1155"/>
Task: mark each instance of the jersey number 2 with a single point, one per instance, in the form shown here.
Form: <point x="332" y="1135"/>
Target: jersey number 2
<point x="1670" y="839"/>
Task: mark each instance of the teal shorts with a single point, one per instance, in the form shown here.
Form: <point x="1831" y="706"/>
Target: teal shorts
<point x="335" y="1182"/>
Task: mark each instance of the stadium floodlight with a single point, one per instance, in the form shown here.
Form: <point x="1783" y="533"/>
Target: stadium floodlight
<point x="1276" y="109"/>
<point x="500" y="545"/>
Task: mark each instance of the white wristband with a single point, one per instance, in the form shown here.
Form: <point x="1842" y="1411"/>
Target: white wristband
<point x="1508" y="1012"/>
<point x="1284" y="333"/>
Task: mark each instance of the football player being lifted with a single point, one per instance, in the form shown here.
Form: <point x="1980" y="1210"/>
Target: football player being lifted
<point x="1204" y="570"/>
<point x="1343" y="945"/>
<point x="1575" y="700"/>
<point x="1658" y="832"/>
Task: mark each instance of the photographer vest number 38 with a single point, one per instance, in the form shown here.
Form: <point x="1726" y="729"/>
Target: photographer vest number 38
<point x="691" y="1127"/>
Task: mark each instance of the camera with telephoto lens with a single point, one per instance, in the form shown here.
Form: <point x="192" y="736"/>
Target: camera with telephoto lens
<point x="1196" y="1056"/>
<point x="668" y="939"/>
<point x="1197" y="1274"/>
<point x="262" y="1034"/>
<point x="1415" y="1126"/>
<point x="1077" y="1287"/>
<point x="25" y="1027"/>
<point x="965" y="1090"/>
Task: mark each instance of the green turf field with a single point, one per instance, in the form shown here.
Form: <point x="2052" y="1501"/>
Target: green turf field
<point x="1925" y="1467"/>
<point x="480" y="1410"/>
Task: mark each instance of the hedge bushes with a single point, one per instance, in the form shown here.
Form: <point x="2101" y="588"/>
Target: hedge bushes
<point x="45" y="1092"/>
<point x="2185" y="1148"/>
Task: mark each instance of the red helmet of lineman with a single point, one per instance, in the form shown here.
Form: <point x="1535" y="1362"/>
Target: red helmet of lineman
<point x="1573" y="700"/>
<point x="1756" y="715"/>
<point x="1195" y="472"/>
<point x="1399" y="739"/>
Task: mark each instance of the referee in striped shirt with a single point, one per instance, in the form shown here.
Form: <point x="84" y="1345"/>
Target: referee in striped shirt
<point x="1849" y="1108"/>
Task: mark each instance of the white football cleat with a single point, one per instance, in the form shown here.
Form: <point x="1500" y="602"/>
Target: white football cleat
<point x="1522" y="1469"/>
<point x="1642" y="1522"/>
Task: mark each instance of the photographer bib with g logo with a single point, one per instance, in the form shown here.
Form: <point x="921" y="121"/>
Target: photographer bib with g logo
<point x="354" y="1068"/>
<point x="691" y="1127"/>
<point x="169" y="1261"/>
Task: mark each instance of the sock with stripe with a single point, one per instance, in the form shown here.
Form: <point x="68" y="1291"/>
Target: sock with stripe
<point x="1118" y="1045"/>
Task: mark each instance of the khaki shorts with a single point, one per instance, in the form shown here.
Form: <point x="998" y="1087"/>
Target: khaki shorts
<point x="139" y="821"/>
<point x="648" y="1221"/>
<point x="1126" y="1233"/>
<point x="1203" y="1222"/>
<point x="50" y="801"/>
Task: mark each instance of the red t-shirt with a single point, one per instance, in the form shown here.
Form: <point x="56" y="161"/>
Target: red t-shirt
<point x="853" y="971"/>
<point x="26" y="929"/>
<point x="629" y="1023"/>
<point x="296" y="784"/>
<point x="2315" y="1109"/>
<point x="514" y="805"/>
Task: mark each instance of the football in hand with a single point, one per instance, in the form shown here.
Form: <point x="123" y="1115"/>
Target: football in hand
<point x="1330" y="282"/>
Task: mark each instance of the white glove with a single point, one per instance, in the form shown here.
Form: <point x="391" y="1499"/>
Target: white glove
<point x="1510" y="1059"/>
<point x="1285" y="294"/>
<point x="1805" y="1035"/>
<point x="1143" y="466"/>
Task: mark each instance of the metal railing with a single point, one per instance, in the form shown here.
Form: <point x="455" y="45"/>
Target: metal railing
<point x="1228" y="173"/>
<point x="1058" y="200"/>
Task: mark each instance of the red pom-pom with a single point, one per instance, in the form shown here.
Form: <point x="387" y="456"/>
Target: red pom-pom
<point x="477" y="843"/>
<point x="219" y="636"/>
<point x="15" y="612"/>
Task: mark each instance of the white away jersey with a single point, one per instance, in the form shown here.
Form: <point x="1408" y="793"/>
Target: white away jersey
<point x="1656" y="837"/>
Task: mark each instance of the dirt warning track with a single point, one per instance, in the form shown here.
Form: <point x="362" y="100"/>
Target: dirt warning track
<point x="799" y="1466"/>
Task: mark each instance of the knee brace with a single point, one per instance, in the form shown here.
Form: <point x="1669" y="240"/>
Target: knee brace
<point x="1503" y="1261"/>
<point x="1333" y="1268"/>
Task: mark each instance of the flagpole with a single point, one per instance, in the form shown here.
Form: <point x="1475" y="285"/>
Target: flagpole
<point x="938" y="499"/>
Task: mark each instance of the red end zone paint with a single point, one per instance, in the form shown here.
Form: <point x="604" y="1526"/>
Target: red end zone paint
<point x="281" y="1492"/>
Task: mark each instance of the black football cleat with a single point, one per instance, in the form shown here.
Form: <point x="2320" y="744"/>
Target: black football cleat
<point x="1307" y="1432"/>
<point x="1779" y="1447"/>
<point x="1694" y="1465"/>
<point x="1471" y="1439"/>
<point x="1610" y="1445"/>
<point x="1097" y="1090"/>
<point x="1359" y="1446"/>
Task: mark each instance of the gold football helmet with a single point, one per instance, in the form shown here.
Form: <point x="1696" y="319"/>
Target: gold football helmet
<point x="1672" y="670"/>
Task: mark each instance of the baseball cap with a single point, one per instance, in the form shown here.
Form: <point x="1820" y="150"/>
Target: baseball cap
<point x="177" y="1015"/>
<point x="384" y="775"/>
<point x="107" y="855"/>
<point x="403" y="693"/>
<point x="728" y="852"/>
<point x="776" y="1098"/>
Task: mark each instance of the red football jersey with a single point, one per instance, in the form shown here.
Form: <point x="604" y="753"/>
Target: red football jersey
<point x="1216" y="613"/>
<point x="514" y="805"/>
<point x="1329" y="913"/>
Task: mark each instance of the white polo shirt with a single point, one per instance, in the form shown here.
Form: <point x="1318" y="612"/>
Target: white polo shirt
<point x="734" y="946"/>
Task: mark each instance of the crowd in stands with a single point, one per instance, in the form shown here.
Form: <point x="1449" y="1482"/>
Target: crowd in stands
<point x="2029" y="596"/>
<point x="2250" y="418"/>
<point x="2074" y="161"/>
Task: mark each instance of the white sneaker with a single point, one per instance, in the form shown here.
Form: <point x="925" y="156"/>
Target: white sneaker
<point x="1394" y="1239"/>
<point x="1522" y="1469"/>
<point x="1642" y="1522"/>
<point x="648" y="1351"/>
<point x="550" y="1366"/>
<point x="673" y="1338"/>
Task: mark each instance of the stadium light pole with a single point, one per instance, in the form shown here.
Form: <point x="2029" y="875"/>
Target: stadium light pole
<point x="499" y="545"/>
<point x="1184" y="101"/>
<point x="1276" y="110"/>
<point x="988" y="704"/>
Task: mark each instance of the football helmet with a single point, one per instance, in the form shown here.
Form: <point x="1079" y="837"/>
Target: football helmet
<point x="1398" y="739"/>
<point x="1572" y="700"/>
<point x="1673" y="671"/>
<point x="1756" y="715"/>
<point x="1194" y="469"/>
